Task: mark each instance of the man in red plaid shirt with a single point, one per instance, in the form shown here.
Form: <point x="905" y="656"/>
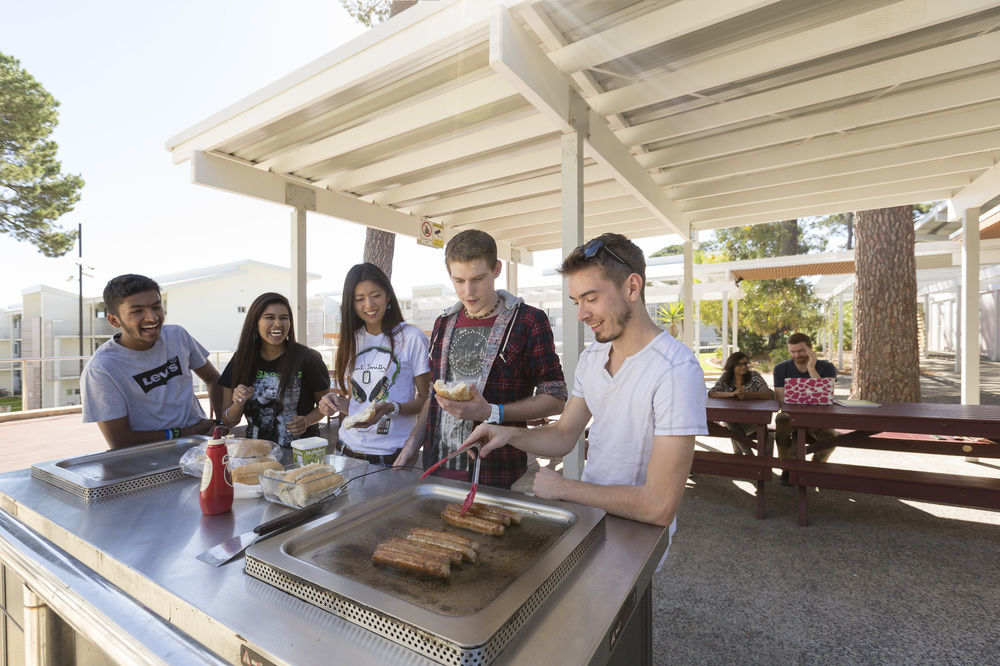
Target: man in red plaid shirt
<point x="499" y="345"/>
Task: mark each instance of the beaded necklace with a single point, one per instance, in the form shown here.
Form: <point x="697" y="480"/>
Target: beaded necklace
<point x="484" y="316"/>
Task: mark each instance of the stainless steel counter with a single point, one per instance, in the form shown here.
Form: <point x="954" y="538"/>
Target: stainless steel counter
<point x="146" y="542"/>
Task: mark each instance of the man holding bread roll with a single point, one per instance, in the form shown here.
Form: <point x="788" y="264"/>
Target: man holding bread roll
<point x="503" y="349"/>
<point x="644" y="390"/>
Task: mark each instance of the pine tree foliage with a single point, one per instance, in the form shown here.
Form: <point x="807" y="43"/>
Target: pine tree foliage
<point x="33" y="191"/>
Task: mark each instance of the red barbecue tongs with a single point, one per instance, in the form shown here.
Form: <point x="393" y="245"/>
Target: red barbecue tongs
<point x="474" y="448"/>
<point x="433" y="468"/>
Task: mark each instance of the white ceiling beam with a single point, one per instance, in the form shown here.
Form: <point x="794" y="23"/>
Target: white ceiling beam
<point x="231" y="176"/>
<point x="547" y="218"/>
<point x="466" y="146"/>
<point x="852" y="32"/>
<point x="975" y="194"/>
<point x="941" y="172"/>
<point x="431" y="28"/>
<point x="592" y="173"/>
<point x="482" y="92"/>
<point x="834" y="198"/>
<point x="650" y="29"/>
<point x="601" y="198"/>
<point x="953" y="123"/>
<point x="467" y="176"/>
<point x="814" y="208"/>
<point x="524" y="234"/>
<point x="515" y="56"/>
<point x="907" y="159"/>
<point x="865" y="79"/>
<point x="884" y="110"/>
<point x="636" y="229"/>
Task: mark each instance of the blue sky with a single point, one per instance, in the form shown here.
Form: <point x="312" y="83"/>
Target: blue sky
<point x="129" y="75"/>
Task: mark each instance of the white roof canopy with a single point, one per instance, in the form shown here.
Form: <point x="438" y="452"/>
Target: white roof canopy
<point x="701" y="115"/>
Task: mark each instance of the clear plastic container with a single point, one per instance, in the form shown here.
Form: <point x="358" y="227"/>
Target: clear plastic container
<point x="315" y="487"/>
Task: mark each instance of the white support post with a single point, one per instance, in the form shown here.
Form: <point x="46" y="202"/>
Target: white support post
<point x="840" y="331"/>
<point x="572" y="237"/>
<point x="736" y="322"/>
<point x="512" y="277"/>
<point x="688" y="293"/>
<point x="297" y="295"/>
<point x="956" y="335"/>
<point x="927" y="325"/>
<point x="970" y="306"/>
<point x="725" y="326"/>
<point x="697" y="327"/>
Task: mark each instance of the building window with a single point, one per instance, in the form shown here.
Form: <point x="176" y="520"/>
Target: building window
<point x="241" y="308"/>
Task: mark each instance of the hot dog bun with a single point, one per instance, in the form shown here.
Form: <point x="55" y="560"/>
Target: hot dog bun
<point x="457" y="391"/>
<point x="306" y="485"/>
<point x="248" y="448"/>
<point x="249" y="473"/>
<point x="360" y="417"/>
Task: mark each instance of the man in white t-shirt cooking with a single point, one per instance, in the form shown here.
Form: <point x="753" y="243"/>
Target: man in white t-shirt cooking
<point x="643" y="388"/>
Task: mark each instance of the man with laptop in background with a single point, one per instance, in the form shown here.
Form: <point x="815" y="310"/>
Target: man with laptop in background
<point x="802" y="364"/>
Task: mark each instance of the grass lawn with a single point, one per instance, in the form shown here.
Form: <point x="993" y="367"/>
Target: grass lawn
<point x="706" y="365"/>
<point x="15" y="404"/>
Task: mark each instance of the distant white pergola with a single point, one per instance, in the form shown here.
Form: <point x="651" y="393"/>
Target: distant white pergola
<point x="548" y="122"/>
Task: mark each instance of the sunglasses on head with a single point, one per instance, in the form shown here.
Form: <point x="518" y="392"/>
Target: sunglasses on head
<point x="592" y="248"/>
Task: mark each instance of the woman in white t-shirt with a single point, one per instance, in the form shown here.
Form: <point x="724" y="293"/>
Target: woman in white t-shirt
<point x="388" y="371"/>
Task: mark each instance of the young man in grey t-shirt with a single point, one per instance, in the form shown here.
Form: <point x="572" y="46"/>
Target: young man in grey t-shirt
<point x="137" y="387"/>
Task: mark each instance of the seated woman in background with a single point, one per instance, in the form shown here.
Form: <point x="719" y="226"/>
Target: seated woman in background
<point x="273" y="380"/>
<point x="382" y="369"/>
<point x="740" y="382"/>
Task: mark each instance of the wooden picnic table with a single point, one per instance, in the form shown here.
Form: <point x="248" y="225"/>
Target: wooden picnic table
<point x="735" y="465"/>
<point x="935" y="428"/>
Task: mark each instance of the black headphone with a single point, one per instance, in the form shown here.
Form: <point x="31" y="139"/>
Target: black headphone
<point x="380" y="391"/>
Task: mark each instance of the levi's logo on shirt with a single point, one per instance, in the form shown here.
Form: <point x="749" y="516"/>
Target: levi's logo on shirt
<point x="150" y="379"/>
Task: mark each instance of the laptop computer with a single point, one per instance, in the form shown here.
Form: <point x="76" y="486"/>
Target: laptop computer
<point x="809" y="391"/>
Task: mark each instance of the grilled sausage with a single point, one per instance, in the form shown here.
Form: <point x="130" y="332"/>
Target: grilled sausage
<point x="514" y="516"/>
<point x="454" y="556"/>
<point x="411" y="561"/>
<point x="449" y="536"/>
<point x="484" y="512"/>
<point x="466" y="552"/>
<point x="467" y="522"/>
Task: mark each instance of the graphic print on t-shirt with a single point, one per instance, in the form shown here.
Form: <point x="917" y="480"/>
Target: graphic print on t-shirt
<point x="159" y="376"/>
<point x="376" y="369"/>
<point x="268" y="416"/>
<point x="465" y="363"/>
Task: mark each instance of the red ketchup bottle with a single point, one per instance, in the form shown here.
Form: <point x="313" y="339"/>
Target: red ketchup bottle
<point x="216" y="480"/>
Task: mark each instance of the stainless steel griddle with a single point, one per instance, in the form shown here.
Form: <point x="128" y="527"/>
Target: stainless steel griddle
<point x="465" y="619"/>
<point x="118" y="471"/>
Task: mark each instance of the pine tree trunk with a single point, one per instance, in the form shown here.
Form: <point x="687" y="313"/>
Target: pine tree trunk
<point x="790" y="238"/>
<point x="886" y="352"/>
<point x="379" y="248"/>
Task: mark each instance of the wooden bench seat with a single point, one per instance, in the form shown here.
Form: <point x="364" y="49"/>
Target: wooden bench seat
<point x="982" y="492"/>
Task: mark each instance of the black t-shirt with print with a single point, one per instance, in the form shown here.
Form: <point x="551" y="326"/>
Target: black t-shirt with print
<point x="266" y="418"/>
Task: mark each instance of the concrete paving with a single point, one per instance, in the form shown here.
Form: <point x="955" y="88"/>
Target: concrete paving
<point x="871" y="580"/>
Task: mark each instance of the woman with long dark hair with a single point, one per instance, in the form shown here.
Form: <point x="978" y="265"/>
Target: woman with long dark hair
<point x="740" y="382"/>
<point x="381" y="363"/>
<point x="273" y="380"/>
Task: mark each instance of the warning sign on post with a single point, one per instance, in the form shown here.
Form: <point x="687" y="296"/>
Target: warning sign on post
<point x="431" y="234"/>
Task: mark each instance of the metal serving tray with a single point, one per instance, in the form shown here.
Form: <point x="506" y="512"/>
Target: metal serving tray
<point x="466" y="619"/>
<point x="108" y="473"/>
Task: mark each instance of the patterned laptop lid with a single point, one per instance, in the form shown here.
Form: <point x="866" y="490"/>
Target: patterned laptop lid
<point x="809" y="391"/>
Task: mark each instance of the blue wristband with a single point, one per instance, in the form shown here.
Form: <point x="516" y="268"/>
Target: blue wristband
<point x="501" y="413"/>
<point x="167" y="431"/>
